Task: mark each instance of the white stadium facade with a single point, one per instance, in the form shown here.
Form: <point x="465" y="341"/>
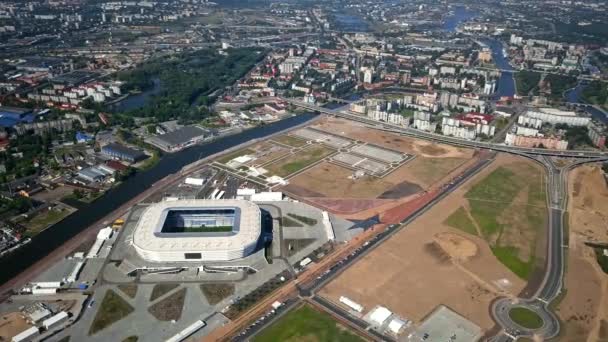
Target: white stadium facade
<point x="198" y="230"/>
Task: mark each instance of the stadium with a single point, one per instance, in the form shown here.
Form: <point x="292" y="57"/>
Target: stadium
<point x="198" y="230"/>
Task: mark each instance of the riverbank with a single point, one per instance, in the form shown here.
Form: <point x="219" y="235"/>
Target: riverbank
<point x="55" y="243"/>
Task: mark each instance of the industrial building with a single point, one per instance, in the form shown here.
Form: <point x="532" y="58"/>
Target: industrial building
<point x="118" y="151"/>
<point x="10" y="116"/>
<point x="179" y="139"/>
<point x="198" y="230"/>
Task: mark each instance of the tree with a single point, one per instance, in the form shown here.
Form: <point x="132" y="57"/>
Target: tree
<point x="78" y="194"/>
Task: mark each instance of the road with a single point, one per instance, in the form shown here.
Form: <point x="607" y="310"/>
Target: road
<point x="446" y="139"/>
<point x="307" y="287"/>
<point x="552" y="284"/>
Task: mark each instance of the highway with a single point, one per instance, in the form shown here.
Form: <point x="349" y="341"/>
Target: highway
<point x="308" y="290"/>
<point x="552" y="283"/>
<point x="446" y="139"/>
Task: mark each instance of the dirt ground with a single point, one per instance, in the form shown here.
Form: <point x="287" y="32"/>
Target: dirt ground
<point x="333" y="181"/>
<point x="392" y="141"/>
<point x="334" y="188"/>
<point x="428" y="263"/>
<point x="12" y="324"/>
<point x="53" y="195"/>
<point x="585" y="304"/>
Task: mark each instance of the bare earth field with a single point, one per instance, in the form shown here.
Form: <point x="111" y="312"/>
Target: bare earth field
<point x="12" y="324"/>
<point x="334" y="188"/>
<point x="585" y="304"/>
<point x="429" y="263"/>
<point x="391" y="141"/>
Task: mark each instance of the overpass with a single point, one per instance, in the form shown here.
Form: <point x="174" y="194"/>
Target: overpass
<point x="552" y="283"/>
<point x="446" y="139"/>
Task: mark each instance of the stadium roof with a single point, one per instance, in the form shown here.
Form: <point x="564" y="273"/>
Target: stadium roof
<point x="147" y="238"/>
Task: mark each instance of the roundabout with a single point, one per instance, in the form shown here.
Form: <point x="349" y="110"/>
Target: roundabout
<point x="525" y="318"/>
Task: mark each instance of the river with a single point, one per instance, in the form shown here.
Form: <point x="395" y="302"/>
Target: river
<point x="574" y="95"/>
<point x="52" y="238"/>
<point x="506" y="82"/>
<point x="459" y="14"/>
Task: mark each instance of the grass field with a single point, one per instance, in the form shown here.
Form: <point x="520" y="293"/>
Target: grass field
<point x="526" y="318"/>
<point x="112" y="309"/>
<point x="44" y="219"/>
<point x="428" y="171"/>
<point x="289" y="140"/>
<point x="297" y="162"/>
<point x="460" y="220"/>
<point x="306" y="324"/>
<point x="509" y="206"/>
<point x="203" y="229"/>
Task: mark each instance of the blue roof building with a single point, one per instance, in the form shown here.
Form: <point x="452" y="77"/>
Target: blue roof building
<point x="83" y="137"/>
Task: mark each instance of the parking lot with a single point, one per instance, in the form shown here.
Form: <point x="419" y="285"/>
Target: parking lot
<point x="322" y="137"/>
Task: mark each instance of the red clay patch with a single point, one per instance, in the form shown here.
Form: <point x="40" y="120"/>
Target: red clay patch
<point x="346" y="206"/>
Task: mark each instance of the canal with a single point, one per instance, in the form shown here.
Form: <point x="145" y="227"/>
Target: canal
<point x="52" y="238"/>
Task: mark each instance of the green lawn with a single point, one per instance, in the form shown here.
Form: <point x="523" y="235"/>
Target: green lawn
<point x="44" y="219"/>
<point x="507" y="255"/>
<point x="526" y="318"/>
<point x="112" y="309"/>
<point x="492" y="208"/>
<point x="460" y="220"/>
<point x="203" y="229"/>
<point x="297" y="162"/>
<point x="306" y="324"/>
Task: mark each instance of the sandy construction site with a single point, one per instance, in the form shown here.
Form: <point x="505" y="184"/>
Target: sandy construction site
<point x="428" y="263"/>
<point x="584" y="309"/>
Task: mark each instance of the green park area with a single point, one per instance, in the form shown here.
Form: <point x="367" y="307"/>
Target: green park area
<point x="306" y="324"/>
<point x="188" y="81"/>
<point x="200" y="229"/>
<point x="44" y="219"/>
<point x="526" y="318"/>
<point x="112" y="309"/>
<point x="509" y="207"/>
<point x="597" y="93"/>
<point x="296" y="162"/>
<point x="527" y="82"/>
<point x="460" y="220"/>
